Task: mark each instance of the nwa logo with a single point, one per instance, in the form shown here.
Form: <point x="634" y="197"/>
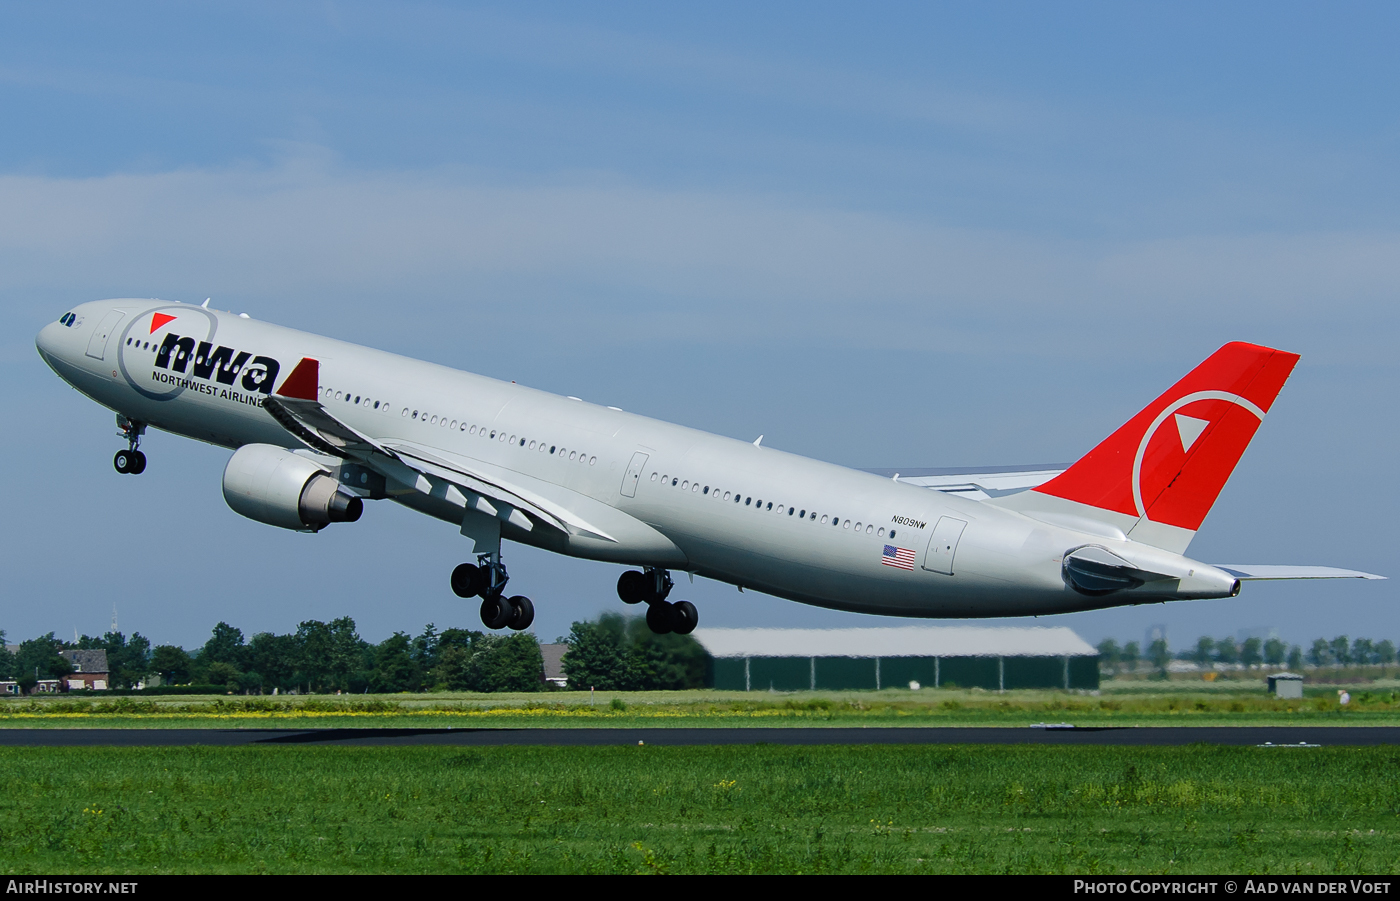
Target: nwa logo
<point x="222" y="364"/>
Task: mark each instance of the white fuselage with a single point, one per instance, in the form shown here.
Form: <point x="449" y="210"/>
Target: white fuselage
<point x="728" y="510"/>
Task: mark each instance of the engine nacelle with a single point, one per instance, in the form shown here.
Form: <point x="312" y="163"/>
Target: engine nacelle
<point x="275" y="486"/>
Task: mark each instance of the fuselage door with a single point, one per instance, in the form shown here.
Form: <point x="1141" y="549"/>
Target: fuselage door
<point x="634" y="474"/>
<point x="943" y="544"/>
<point x="97" y="345"/>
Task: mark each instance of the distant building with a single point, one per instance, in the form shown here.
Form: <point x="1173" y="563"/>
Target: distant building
<point x="905" y="657"/>
<point x="553" y="655"/>
<point x="90" y="670"/>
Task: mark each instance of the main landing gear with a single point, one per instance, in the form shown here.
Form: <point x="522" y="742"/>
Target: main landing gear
<point x="487" y="578"/>
<point x="130" y="461"/>
<point x="652" y="587"/>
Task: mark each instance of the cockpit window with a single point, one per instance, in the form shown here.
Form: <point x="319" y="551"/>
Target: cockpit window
<point x="67" y="319"/>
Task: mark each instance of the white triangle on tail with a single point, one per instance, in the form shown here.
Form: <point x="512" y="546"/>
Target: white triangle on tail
<point x="1189" y="428"/>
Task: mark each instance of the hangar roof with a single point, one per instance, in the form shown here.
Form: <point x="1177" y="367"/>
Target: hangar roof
<point x="904" y="641"/>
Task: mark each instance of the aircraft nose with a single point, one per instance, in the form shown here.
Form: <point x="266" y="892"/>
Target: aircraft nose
<point x="48" y="340"/>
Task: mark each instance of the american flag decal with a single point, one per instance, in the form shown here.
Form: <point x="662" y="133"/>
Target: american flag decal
<point x="901" y="557"/>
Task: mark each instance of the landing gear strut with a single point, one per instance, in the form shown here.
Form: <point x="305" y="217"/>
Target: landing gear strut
<point x="130" y="461"/>
<point x="653" y="586"/>
<point x="487" y="578"/>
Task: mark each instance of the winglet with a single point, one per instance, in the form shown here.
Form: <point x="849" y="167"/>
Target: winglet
<point x="304" y="382"/>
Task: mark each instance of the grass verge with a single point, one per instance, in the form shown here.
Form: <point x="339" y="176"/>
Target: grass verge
<point x="764" y="809"/>
<point x="1131" y="704"/>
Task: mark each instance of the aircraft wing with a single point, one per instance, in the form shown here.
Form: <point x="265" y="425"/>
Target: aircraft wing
<point x="454" y="480"/>
<point x="1257" y="572"/>
<point x="977" y="483"/>
<point x="318" y="429"/>
<point x="464" y="473"/>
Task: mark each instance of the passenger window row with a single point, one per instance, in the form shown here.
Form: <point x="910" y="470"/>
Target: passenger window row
<point x="748" y="501"/>
<point x="501" y="436"/>
<point x="356" y="399"/>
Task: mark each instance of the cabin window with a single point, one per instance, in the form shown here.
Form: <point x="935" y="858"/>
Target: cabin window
<point x="673" y="482"/>
<point x="823" y="519"/>
<point x="791" y="511"/>
<point x="891" y="533"/>
<point x="770" y="505"/>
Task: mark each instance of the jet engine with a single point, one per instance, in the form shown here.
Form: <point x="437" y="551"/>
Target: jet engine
<point x="275" y="486"/>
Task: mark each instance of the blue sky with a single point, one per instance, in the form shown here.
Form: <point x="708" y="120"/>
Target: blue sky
<point x="892" y="235"/>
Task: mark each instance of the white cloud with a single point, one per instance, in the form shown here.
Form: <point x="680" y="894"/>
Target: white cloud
<point x="310" y="229"/>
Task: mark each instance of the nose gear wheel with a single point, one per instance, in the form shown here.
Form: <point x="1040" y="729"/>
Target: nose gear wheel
<point x="130" y="461"/>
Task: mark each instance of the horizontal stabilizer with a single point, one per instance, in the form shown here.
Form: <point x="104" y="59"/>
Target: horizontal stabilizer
<point x="975" y="483"/>
<point x="1247" y="572"/>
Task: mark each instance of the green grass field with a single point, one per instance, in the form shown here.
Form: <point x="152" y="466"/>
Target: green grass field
<point x="767" y="809"/>
<point x="1120" y="703"/>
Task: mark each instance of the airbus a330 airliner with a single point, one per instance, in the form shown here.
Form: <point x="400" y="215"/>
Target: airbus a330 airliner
<point x="318" y="426"/>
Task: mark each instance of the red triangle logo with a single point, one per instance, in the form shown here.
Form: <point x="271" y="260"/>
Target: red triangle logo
<point x="159" y="319"/>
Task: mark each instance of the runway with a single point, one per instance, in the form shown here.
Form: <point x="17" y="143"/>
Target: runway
<point x="1277" y="736"/>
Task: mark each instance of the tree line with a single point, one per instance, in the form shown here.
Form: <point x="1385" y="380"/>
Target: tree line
<point x="611" y="653"/>
<point x="1207" y="651"/>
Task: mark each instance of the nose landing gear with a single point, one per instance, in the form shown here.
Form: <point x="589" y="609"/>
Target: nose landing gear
<point x="653" y="586"/>
<point x="130" y="461"/>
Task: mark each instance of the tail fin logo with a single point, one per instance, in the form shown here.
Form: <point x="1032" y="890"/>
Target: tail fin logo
<point x="1173" y="475"/>
<point x="1189" y="429"/>
<point x="1160" y="463"/>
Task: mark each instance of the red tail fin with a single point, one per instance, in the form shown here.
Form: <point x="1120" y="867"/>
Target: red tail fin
<point x="1169" y="462"/>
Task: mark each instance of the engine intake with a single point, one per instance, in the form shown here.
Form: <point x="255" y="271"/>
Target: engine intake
<point x="275" y="486"/>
